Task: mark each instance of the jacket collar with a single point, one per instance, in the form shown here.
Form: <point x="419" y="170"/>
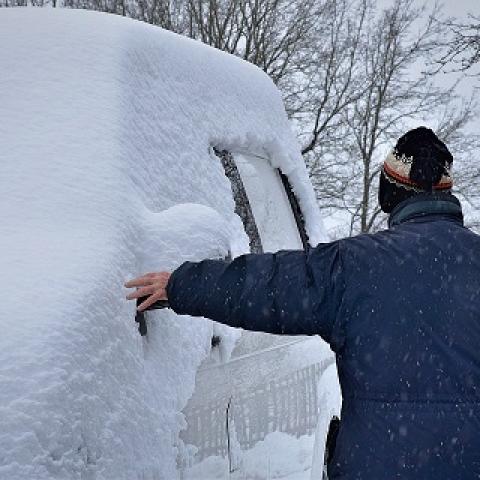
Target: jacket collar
<point x="425" y="205"/>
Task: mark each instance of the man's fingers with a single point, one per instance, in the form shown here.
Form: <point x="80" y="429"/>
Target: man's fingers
<point x="141" y="292"/>
<point x="148" y="279"/>
<point x="151" y="300"/>
<point x="139" y="281"/>
<point x="152" y="285"/>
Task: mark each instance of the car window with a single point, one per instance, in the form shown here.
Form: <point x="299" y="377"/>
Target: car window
<point x="266" y="203"/>
<point x="270" y="204"/>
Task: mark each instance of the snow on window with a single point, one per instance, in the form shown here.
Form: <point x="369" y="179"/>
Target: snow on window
<point x="242" y="204"/>
<point x="270" y="203"/>
<point x="265" y="202"/>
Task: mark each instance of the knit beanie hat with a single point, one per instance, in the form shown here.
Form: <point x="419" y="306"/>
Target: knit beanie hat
<point x="420" y="162"/>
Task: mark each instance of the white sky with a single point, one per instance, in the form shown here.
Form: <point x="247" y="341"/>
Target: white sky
<point x="469" y="85"/>
<point x="461" y="8"/>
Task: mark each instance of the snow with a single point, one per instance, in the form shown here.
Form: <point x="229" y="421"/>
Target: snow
<point x="278" y="456"/>
<point x="274" y="218"/>
<point x="106" y="171"/>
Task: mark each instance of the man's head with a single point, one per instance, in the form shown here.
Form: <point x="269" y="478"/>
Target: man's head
<point x="419" y="163"/>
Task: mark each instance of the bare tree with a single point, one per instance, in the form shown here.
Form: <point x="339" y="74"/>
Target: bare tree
<point x="331" y="76"/>
<point x="271" y="34"/>
<point x="396" y="93"/>
<point x="351" y="76"/>
<point x="464" y="147"/>
<point x="329" y="82"/>
<point x="277" y="32"/>
<point x="463" y="48"/>
<point x="217" y="23"/>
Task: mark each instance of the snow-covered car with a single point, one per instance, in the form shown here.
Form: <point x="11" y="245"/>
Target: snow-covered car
<point x="124" y="149"/>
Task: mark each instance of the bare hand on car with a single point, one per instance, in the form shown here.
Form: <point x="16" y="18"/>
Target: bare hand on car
<point x="152" y="285"/>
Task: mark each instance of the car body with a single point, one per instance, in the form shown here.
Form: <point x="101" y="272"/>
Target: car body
<point x="126" y="149"/>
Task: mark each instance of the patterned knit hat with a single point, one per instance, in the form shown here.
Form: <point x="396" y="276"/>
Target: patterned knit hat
<point x="420" y="162"/>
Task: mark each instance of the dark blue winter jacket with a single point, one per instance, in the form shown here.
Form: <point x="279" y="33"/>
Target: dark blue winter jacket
<point x="401" y="310"/>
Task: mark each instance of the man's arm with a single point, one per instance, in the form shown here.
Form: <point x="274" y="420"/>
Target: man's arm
<point x="289" y="292"/>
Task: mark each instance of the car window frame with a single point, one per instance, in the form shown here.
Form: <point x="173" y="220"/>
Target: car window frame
<point x="242" y="202"/>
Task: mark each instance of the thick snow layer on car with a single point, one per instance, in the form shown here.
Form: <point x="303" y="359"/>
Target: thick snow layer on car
<point x="106" y="171"/>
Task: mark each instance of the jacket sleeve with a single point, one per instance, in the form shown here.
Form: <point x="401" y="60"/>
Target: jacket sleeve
<point x="288" y="292"/>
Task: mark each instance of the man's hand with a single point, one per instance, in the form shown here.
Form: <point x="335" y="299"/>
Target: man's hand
<point x="152" y="285"/>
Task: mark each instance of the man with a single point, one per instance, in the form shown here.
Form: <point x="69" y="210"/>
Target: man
<point x="400" y="309"/>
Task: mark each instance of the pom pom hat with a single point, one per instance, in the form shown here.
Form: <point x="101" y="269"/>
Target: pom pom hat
<point x="420" y="162"/>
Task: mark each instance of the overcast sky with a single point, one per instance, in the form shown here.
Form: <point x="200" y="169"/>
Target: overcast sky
<point x="461" y="10"/>
<point x="461" y="7"/>
<point x="450" y="7"/>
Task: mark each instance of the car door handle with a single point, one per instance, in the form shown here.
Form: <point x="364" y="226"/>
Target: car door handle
<point x="158" y="305"/>
<point x="140" y="316"/>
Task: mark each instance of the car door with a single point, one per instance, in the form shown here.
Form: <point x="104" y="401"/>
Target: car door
<point x="267" y="386"/>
